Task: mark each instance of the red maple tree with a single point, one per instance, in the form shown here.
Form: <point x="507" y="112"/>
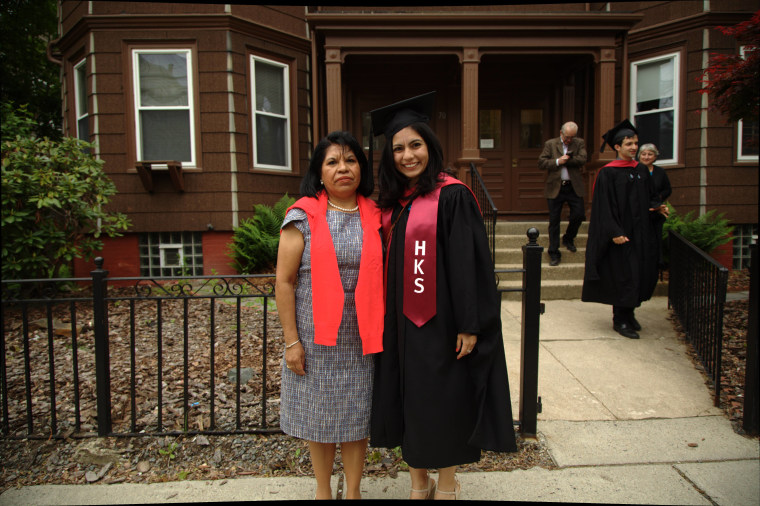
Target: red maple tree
<point x="733" y="81"/>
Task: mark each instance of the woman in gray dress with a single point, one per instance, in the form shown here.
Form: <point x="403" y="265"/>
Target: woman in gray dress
<point x="329" y="281"/>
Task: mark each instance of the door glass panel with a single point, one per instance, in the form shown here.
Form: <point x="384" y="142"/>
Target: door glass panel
<point x="490" y="129"/>
<point x="531" y="128"/>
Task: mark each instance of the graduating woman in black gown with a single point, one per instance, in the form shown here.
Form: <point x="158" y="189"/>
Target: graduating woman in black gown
<point x="441" y="390"/>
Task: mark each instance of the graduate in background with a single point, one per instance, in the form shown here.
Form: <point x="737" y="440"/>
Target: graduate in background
<point x="622" y="252"/>
<point x="441" y="389"/>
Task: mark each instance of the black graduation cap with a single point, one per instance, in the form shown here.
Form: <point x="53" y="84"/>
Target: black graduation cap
<point x="390" y="119"/>
<point x="617" y="133"/>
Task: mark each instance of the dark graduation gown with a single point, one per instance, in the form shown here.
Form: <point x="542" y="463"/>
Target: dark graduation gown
<point x="440" y="410"/>
<point x="626" y="274"/>
<point x="663" y="190"/>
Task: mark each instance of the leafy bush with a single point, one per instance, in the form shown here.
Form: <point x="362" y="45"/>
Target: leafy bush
<point x="255" y="241"/>
<point x="53" y="199"/>
<point x="706" y="232"/>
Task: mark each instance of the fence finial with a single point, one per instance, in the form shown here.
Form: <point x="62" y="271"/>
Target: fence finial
<point x="99" y="262"/>
<point x="532" y="235"/>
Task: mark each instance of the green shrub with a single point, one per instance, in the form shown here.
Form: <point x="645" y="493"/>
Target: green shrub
<point x="255" y="241"/>
<point x="706" y="232"/>
<point x="54" y="195"/>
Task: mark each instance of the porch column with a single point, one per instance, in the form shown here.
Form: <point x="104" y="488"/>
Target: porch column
<point x="604" y="114"/>
<point x="470" y="121"/>
<point x="334" y="95"/>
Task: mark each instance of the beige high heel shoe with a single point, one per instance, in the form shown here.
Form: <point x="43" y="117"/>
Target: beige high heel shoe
<point x="455" y="492"/>
<point x="429" y="491"/>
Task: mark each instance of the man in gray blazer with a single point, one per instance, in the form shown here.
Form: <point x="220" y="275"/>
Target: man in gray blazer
<point x="563" y="159"/>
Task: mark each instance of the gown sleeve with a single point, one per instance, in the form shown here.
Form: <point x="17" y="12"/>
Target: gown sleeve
<point x="467" y="256"/>
<point x="607" y="222"/>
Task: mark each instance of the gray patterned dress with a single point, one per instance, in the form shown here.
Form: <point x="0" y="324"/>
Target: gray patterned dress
<point x="331" y="403"/>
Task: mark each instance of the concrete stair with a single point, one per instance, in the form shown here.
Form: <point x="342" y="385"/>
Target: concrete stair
<point x="564" y="281"/>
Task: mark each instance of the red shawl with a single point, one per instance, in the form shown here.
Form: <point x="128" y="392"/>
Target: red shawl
<point x="327" y="296"/>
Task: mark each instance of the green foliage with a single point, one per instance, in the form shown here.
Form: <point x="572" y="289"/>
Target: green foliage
<point x="16" y="122"/>
<point x="169" y="451"/>
<point x="706" y="232"/>
<point x="26" y="73"/>
<point x="255" y="241"/>
<point x="53" y="199"/>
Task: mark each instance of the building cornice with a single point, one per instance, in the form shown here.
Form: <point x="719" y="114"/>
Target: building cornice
<point x="695" y="21"/>
<point x="168" y="22"/>
<point x="464" y="21"/>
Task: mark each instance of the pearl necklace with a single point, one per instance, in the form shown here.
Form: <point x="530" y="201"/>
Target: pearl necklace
<point x="354" y="209"/>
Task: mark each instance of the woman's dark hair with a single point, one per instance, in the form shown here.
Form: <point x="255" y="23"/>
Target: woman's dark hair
<point x="310" y="185"/>
<point x="393" y="184"/>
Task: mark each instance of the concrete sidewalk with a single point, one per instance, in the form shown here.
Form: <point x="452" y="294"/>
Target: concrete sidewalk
<point x="626" y="421"/>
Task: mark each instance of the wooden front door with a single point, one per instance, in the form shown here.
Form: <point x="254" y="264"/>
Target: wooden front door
<point x="513" y="129"/>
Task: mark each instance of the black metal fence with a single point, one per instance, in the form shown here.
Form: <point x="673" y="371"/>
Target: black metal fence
<point x="160" y="356"/>
<point x="697" y="293"/>
<point x="487" y="207"/>
<point x="149" y="356"/>
<point x="532" y="309"/>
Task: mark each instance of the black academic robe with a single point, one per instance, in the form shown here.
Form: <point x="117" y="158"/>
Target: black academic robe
<point x="440" y="410"/>
<point x="622" y="275"/>
<point x="663" y="190"/>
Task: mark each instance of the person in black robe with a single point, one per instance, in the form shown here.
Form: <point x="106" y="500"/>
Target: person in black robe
<point x="622" y="248"/>
<point x="441" y="390"/>
<point x="648" y="154"/>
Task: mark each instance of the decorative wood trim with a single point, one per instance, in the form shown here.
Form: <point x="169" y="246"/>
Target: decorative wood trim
<point x="174" y="168"/>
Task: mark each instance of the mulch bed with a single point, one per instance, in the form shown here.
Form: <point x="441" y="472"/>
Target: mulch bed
<point x="78" y="457"/>
<point x="733" y="353"/>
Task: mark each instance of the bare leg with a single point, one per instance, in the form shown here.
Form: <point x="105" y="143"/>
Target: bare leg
<point x="322" y="459"/>
<point x="419" y="482"/>
<point x="353" y="454"/>
<point x="446" y="482"/>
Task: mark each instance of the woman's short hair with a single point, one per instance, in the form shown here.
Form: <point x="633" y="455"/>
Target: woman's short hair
<point x="393" y="184"/>
<point x="310" y="184"/>
<point x="649" y="147"/>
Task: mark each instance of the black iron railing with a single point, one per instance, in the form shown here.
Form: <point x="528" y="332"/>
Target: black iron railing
<point x="532" y="309"/>
<point x="150" y="356"/>
<point x="697" y="293"/>
<point x="161" y="356"/>
<point x="487" y="207"/>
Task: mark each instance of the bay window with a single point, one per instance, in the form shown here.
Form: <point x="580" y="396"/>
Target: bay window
<point x="164" y="112"/>
<point x="655" y="103"/>
<point x="271" y="114"/>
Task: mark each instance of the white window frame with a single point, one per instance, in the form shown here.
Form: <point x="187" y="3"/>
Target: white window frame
<point x="286" y="114"/>
<point x="676" y="57"/>
<point x="740" y="131"/>
<point x="163" y="248"/>
<point x="189" y="107"/>
<point x="81" y="110"/>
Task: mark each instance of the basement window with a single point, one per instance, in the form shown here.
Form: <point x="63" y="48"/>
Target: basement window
<point x="171" y="254"/>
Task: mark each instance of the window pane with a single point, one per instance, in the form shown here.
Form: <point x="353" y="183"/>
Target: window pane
<point x="490" y="129"/>
<point x="163" y="79"/>
<point x="531" y="126"/>
<point x="270" y="141"/>
<point x="657" y="128"/>
<point x="750" y="133"/>
<point x="269" y="88"/>
<point x="654" y="85"/>
<point x="166" y="135"/>
<point x="83" y="128"/>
